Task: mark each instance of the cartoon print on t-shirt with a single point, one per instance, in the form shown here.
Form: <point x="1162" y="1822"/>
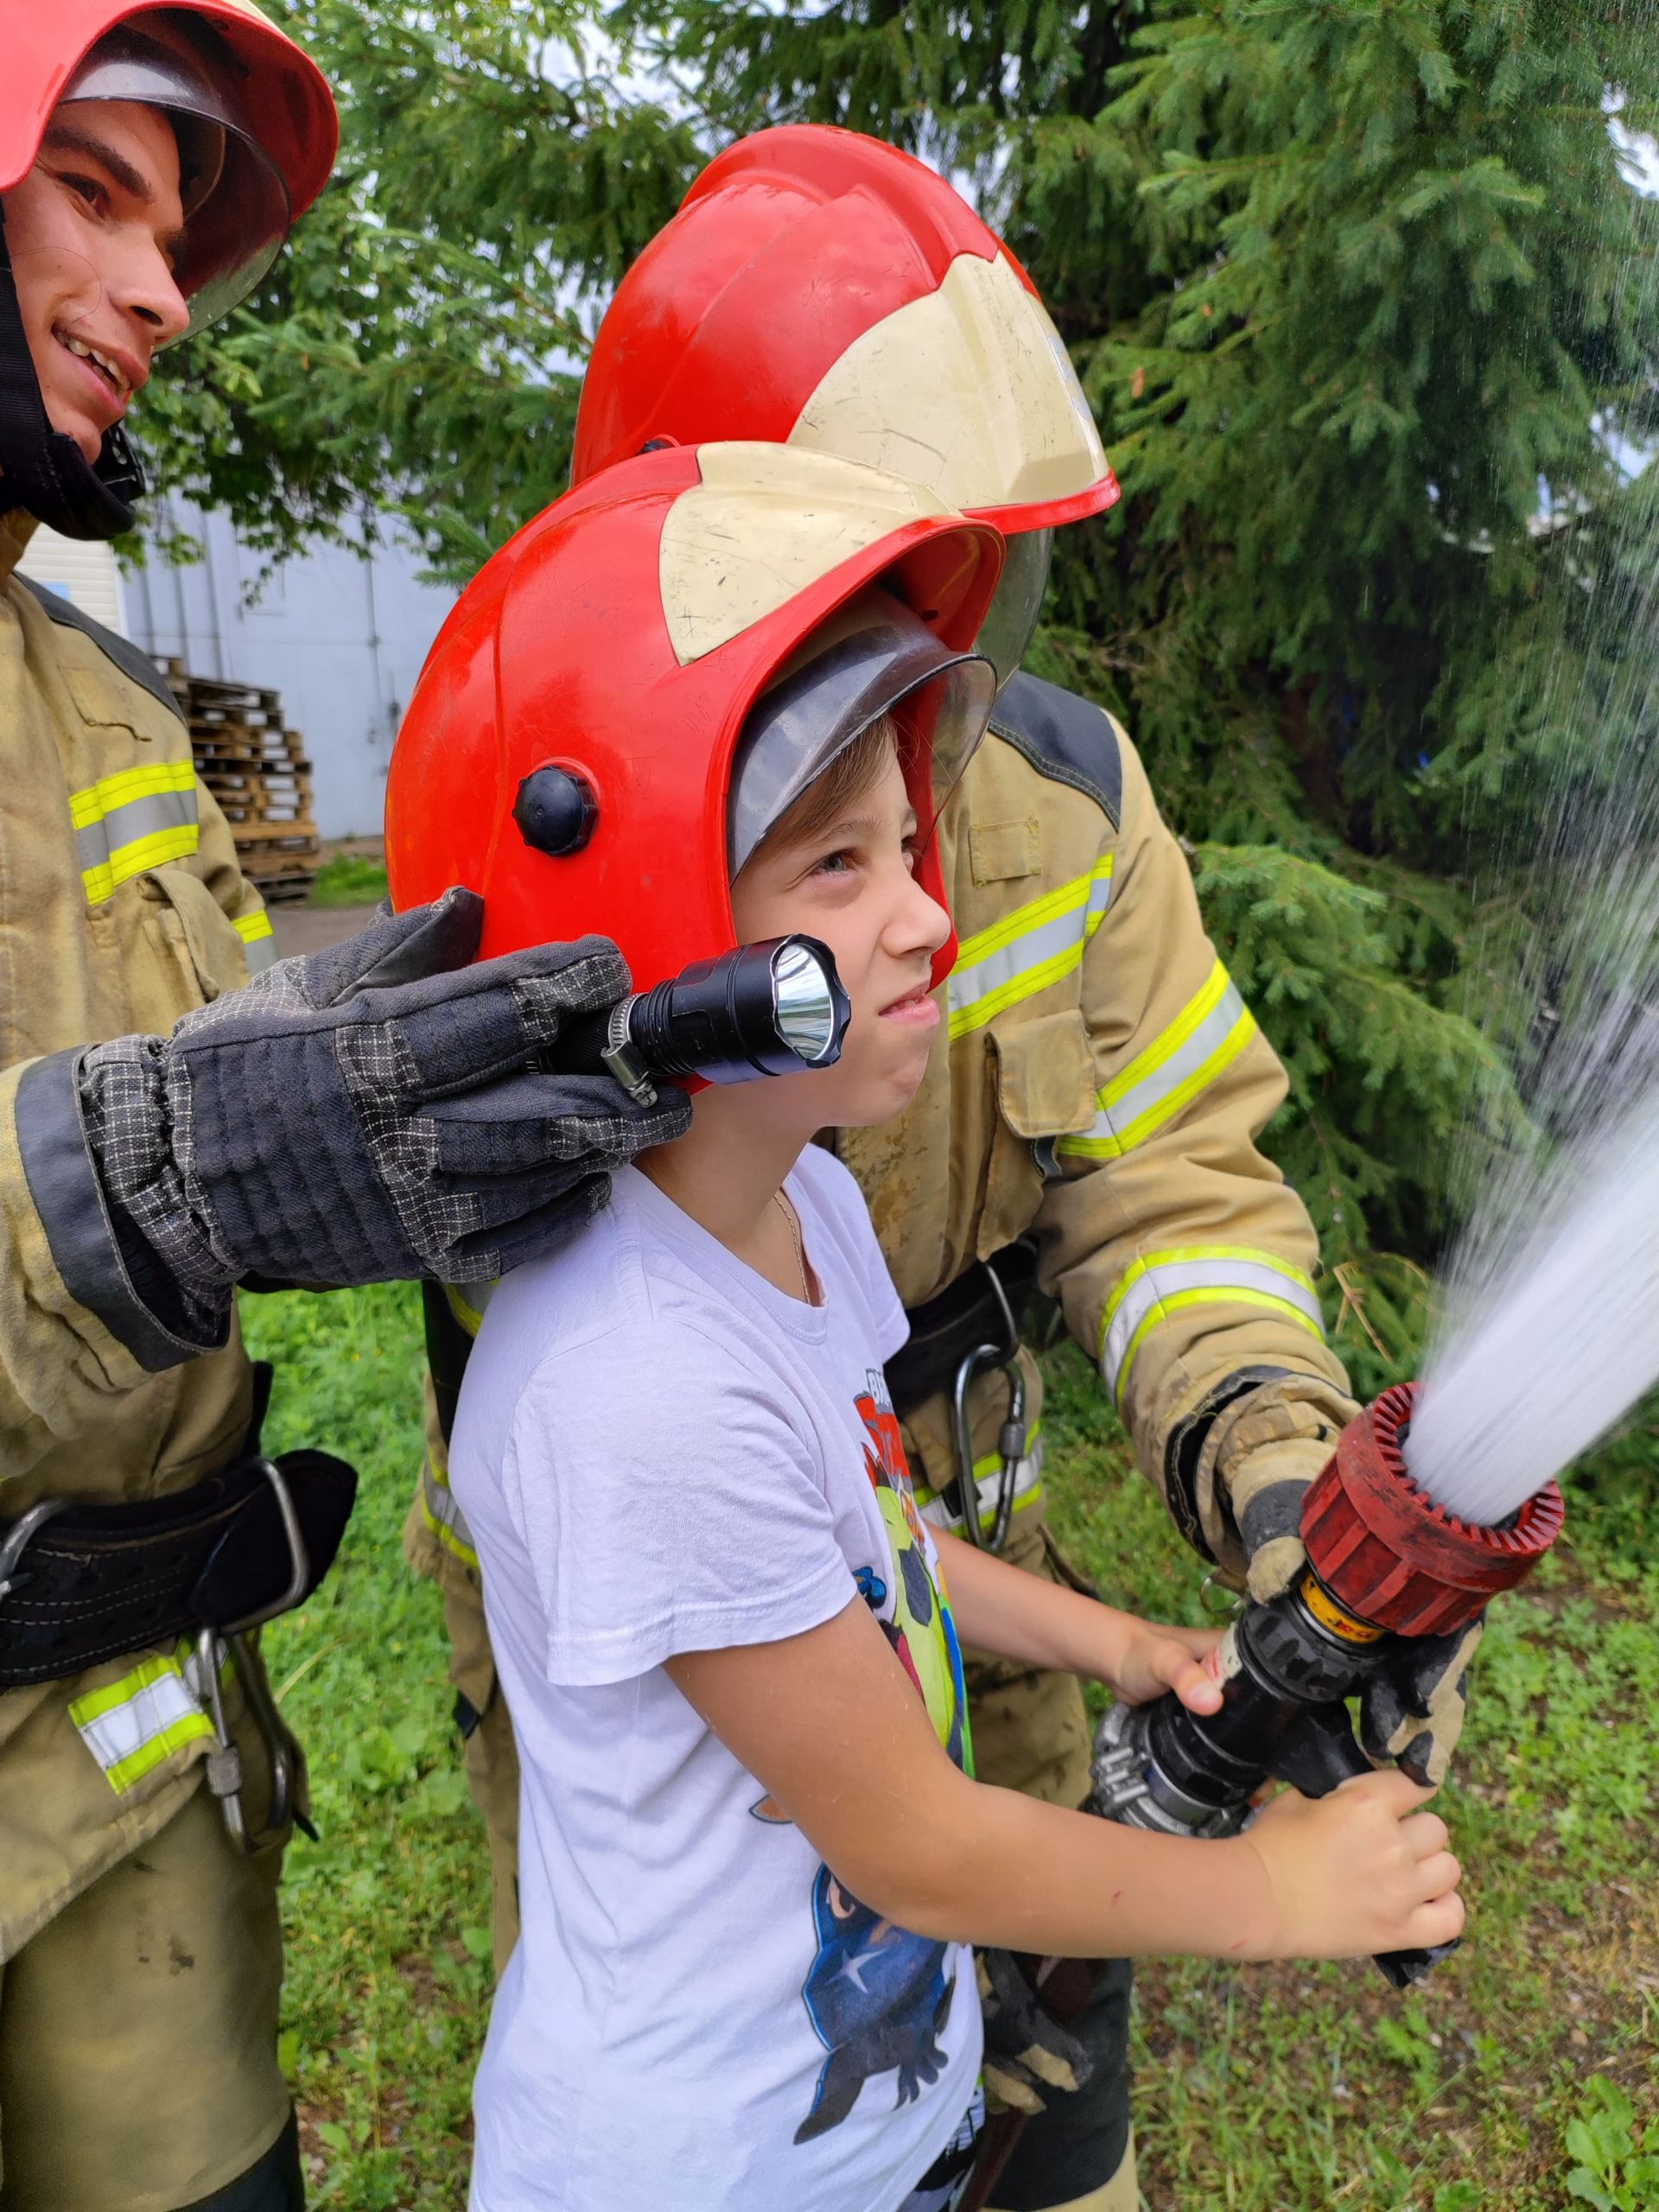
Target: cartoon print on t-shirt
<point x="877" y="1995"/>
<point x="918" y="1624"/>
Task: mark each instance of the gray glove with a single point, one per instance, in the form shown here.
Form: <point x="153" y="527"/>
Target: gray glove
<point x="374" y="1113"/>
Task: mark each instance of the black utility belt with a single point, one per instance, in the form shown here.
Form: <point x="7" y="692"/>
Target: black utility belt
<point x="81" y="1583"/>
<point x="985" y="1306"/>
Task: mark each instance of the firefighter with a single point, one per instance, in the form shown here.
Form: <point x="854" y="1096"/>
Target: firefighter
<point x="170" y="1130"/>
<point x="1089" y="1127"/>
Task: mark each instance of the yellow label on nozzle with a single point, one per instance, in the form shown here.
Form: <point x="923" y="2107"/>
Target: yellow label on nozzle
<point x="1331" y="1616"/>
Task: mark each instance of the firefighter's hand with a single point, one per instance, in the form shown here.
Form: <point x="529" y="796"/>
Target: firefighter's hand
<point x="1029" y="2056"/>
<point x="372" y="1113"/>
<point x="1411" y="1711"/>
<point x="1364" y="1869"/>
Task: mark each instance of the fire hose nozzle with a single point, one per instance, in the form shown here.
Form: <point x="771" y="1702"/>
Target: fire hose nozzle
<point x="1391" y="1559"/>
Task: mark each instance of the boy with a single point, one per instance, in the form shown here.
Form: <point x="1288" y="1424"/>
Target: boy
<point x="752" y="1851"/>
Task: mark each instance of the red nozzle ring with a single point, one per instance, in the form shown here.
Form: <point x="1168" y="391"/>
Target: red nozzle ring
<point x="1388" y="1555"/>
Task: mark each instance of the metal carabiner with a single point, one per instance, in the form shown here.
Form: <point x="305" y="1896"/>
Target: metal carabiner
<point x="226" y="1774"/>
<point x="1012" y="1441"/>
<point x="21" y="1535"/>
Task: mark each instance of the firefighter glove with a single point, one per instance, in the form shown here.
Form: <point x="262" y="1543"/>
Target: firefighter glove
<point x="1029" y="2056"/>
<point x="376" y="1112"/>
<point x="1261" y="1451"/>
<point x="1413" y="1714"/>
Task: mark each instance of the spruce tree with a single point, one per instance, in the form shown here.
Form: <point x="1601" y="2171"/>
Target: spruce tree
<point x="1364" y="300"/>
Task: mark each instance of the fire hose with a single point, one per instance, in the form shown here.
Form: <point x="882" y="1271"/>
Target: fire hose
<point x="1383" y="1561"/>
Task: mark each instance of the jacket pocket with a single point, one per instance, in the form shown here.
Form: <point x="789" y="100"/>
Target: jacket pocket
<point x="1045" y="1088"/>
<point x="202" y="941"/>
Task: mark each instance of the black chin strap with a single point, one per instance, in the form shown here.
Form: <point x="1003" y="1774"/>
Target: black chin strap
<point x="41" y="469"/>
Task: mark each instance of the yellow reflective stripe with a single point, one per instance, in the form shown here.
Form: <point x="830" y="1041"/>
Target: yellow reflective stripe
<point x="444" y="1518"/>
<point x="1028" y="950"/>
<point x="136" y="820"/>
<point x="1162" y="1284"/>
<point x="1183" y="1060"/>
<point x="258" y="941"/>
<point x="131" y="1726"/>
<point x="109" y="792"/>
<point x="1027" y="1485"/>
<point x="468" y="1301"/>
<point x="128" y="861"/>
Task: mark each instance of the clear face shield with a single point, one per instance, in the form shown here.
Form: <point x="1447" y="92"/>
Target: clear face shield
<point x="1010" y="621"/>
<point x="237" y="213"/>
<point x="878" y="658"/>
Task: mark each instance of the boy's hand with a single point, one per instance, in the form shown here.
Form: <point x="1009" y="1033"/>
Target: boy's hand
<point x="1361" y="1871"/>
<point x="1154" y="1658"/>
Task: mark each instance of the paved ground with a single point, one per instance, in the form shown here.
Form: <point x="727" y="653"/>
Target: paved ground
<point x="308" y="929"/>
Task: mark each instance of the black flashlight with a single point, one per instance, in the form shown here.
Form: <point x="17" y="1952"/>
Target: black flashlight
<point x="771" y="1009"/>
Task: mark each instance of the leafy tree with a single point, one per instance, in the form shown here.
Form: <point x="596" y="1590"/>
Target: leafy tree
<point x="417" y="352"/>
<point x="1365" y="305"/>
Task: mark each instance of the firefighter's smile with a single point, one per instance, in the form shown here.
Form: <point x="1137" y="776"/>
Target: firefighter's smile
<point x="112" y="378"/>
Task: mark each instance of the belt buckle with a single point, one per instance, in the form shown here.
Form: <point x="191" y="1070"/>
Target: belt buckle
<point x="21" y="1535"/>
<point x="1012" y="1441"/>
<point x="224" y="1775"/>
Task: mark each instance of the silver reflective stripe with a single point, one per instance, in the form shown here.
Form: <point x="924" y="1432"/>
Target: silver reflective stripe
<point x="1026" y="951"/>
<point x="988" y="1478"/>
<point x="1163" y="1284"/>
<point x="258" y="940"/>
<point x="1205" y="1038"/>
<point x="131" y="1726"/>
<point x="128" y="822"/>
<point x="445" y="1518"/>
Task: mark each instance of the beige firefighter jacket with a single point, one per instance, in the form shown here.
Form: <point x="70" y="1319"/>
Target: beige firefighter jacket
<point x="1102" y="1093"/>
<point x="121" y="908"/>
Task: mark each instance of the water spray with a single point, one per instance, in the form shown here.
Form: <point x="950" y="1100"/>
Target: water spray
<point x="1384" y="1561"/>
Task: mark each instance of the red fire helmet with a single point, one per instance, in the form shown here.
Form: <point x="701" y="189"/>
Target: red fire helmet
<point x="621" y="702"/>
<point x="819" y="289"/>
<point x="257" y="125"/>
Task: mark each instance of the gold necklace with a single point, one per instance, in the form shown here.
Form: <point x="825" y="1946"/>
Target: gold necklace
<point x="793" y="1219"/>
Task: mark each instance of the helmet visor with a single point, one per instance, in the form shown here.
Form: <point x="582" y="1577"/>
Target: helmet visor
<point x="888" y="660"/>
<point x="237" y="213"/>
<point x="1010" y="621"/>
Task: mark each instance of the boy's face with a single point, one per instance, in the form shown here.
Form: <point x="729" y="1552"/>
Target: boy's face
<point x="852" y="886"/>
<point x="93" y="231"/>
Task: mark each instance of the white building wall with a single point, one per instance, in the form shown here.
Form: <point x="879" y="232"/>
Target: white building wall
<point x="341" y="637"/>
<point x="83" y="571"/>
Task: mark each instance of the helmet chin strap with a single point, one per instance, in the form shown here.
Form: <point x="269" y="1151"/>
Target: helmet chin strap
<point x="43" y="470"/>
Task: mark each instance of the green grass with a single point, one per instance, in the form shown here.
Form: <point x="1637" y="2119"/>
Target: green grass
<point x="348" y="880"/>
<point x="1523" y="2077"/>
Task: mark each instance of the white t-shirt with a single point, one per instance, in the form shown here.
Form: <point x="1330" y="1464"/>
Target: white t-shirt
<point x="658" y="1453"/>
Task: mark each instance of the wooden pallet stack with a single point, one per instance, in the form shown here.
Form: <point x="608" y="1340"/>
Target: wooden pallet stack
<point x="257" y="770"/>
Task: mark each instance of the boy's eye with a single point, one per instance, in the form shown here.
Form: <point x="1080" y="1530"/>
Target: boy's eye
<point x="836" y="864"/>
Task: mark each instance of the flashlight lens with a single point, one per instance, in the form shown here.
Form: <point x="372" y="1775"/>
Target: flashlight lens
<point x="803" y="1000"/>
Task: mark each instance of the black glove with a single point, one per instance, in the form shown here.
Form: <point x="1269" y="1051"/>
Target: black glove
<point x="1028" y="2055"/>
<point x="1413" y="1714"/>
<point x="371" y="1113"/>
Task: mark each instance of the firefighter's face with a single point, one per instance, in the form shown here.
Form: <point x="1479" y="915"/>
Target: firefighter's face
<point x="853" y="885"/>
<point x="93" y="231"/>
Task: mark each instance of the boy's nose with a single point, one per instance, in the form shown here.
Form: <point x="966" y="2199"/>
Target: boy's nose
<point x="920" y="924"/>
